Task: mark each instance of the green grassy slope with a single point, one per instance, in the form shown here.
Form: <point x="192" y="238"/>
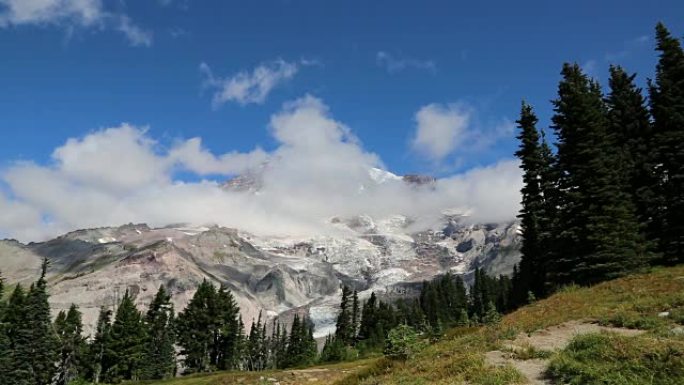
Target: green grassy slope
<point x="656" y="357"/>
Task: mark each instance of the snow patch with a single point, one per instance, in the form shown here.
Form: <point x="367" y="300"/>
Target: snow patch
<point x="324" y="319"/>
<point x="382" y="176"/>
<point x="106" y="240"/>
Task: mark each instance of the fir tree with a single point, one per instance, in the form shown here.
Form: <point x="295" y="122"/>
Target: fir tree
<point x="69" y="328"/>
<point x="600" y="235"/>
<point x="43" y="344"/>
<point x="5" y="355"/>
<point x="5" y="345"/>
<point x="667" y="108"/>
<point x="532" y="271"/>
<point x="195" y="329"/>
<point x="355" y="317"/>
<point x="159" y="359"/>
<point x="294" y="343"/>
<point x="127" y="342"/>
<point x="19" y="337"/>
<point x="99" y="357"/>
<point x="343" y="329"/>
<point x="548" y="223"/>
<point x="630" y="124"/>
<point x="256" y="341"/>
<point x="491" y="315"/>
<point x="229" y="329"/>
<point x="368" y="317"/>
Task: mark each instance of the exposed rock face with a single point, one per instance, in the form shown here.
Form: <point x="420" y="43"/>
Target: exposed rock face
<point x="278" y="275"/>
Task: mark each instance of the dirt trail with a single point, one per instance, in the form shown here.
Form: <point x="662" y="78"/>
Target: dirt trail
<point x="550" y="339"/>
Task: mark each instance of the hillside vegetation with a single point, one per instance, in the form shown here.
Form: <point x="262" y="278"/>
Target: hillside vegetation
<point x="640" y="301"/>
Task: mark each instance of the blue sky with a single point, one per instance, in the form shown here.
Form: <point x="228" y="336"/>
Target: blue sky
<point x="72" y="68"/>
<point x="63" y="80"/>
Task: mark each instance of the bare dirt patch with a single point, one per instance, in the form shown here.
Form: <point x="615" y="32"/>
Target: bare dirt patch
<point x="549" y="339"/>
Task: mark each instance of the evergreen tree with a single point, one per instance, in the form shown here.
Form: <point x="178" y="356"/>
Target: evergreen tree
<point x="5" y="346"/>
<point x="532" y="273"/>
<point x="343" y="329"/>
<point x="629" y="122"/>
<point x="126" y="343"/>
<point x="301" y="347"/>
<point x="69" y="329"/>
<point x="463" y="319"/>
<point x="5" y="355"/>
<point x="99" y="358"/>
<point x="548" y="222"/>
<point x="229" y="330"/>
<point x="667" y="108"/>
<point x="281" y="347"/>
<point x="368" y="317"/>
<point x="491" y="316"/>
<point x="159" y="359"/>
<point x="600" y="235"/>
<point x="355" y="317"/>
<point x="18" y="331"/>
<point x="43" y="344"/>
<point x="294" y="343"/>
<point x="195" y="329"/>
<point x="332" y="350"/>
<point x="256" y="342"/>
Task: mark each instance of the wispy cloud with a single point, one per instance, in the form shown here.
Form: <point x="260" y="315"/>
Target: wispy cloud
<point x="589" y="67"/>
<point x="136" y="35"/>
<point x="393" y="64"/>
<point x="250" y="87"/>
<point x="70" y="14"/>
<point x="628" y="48"/>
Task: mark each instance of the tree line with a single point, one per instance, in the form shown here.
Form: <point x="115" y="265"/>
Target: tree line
<point x="362" y="329"/>
<point x="209" y="335"/>
<point x="607" y="199"/>
<point x="128" y="344"/>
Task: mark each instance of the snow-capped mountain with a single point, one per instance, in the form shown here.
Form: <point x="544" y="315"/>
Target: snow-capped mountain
<point x="276" y="275"/>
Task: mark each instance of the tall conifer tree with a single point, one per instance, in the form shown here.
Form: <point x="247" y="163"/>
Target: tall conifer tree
<point x="127" y="342"/>
<point x="99" y="357"/>
<point x="599" y="234"/>
<point x="532" y="270"/>
<point x="159" y="360"/>
<point x="69" y="328"/>
<point x="195" y="327"/>
<point x="43" y="344"/>
<point x="667" y="108"/>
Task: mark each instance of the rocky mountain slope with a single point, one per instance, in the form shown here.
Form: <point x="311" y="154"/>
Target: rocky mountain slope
<point x="276" y="275"/>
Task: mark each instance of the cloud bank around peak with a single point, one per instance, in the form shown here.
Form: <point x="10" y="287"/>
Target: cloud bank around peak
<point x="319" y="170"/>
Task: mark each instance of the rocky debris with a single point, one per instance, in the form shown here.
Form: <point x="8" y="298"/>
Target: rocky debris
<point x="419" y="180"/>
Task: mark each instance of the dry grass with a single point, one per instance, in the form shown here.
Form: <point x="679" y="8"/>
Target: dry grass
<point x="611" y="359"/>
<point x="459" y="358"/>
<point x="633" y="301"/>
<point x="320" y="375"/>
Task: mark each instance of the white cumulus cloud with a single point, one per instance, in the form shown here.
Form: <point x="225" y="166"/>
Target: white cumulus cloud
<point x="319" y="170"/>
<point x="440" y="129"/>
<point x="446" y="129"/>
